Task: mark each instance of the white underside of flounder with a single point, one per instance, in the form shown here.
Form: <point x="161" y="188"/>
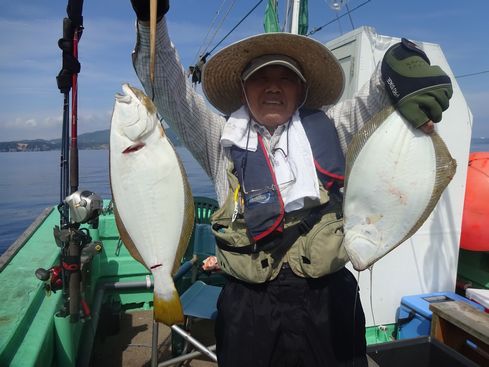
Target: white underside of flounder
<point x="392" y="184"/>
<point x="153" y="201"/>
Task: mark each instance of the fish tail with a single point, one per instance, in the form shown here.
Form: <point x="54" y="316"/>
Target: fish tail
<point x="168" y="311"/>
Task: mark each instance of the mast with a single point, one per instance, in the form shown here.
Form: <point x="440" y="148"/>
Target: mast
<point x="294" y="16"/>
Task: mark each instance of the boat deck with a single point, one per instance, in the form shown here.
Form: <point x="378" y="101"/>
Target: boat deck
<point x="131" y="346"/>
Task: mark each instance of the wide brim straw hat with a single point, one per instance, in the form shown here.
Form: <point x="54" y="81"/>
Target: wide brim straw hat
<point x="221" y="77"/>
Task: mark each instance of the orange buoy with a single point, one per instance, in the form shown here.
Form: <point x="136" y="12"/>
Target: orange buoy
<point x="475" y="220"/>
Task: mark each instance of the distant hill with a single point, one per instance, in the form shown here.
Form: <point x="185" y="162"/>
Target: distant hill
<point x="94" y="140"/>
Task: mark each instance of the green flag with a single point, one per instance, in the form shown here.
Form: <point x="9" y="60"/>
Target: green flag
<point x="303" y="18"/>
<point x="270" y="22"/>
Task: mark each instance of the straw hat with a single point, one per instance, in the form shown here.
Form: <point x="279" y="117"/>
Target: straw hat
<point x="221" y="78"/>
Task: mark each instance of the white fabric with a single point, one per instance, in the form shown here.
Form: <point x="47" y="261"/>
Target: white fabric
<point x="235" y="131"/>
<point x="292" y="151"/>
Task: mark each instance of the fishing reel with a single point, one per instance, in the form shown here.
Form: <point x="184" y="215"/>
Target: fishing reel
<point x="85" y="207"/>
<point x="51" y="277"/>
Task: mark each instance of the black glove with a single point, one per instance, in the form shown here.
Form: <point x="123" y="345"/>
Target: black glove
<point x="418" y="90"/>
<point x="141" y="8"/>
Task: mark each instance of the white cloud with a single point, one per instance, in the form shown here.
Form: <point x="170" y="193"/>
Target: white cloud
<point x="49" y="126"/>
<point x="31" y="123"/>
<point x="31" y="105"/>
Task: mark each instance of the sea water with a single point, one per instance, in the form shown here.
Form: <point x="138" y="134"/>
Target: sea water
<point x="30" y="182"/>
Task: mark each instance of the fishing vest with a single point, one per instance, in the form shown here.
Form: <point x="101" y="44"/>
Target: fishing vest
<point x="263" y="204"/>
<point x="254" y="234"/>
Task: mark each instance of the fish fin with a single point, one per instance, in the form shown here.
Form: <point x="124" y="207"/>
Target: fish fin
<point x="188" y="220"/>
<point x="161" y="129"/>
<point x="446" y="167"/>
<point x="168" y="311"/>
<point x="126" y="239"/>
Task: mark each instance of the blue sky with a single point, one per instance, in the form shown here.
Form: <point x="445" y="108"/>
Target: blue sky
<point x="31" y="105"/>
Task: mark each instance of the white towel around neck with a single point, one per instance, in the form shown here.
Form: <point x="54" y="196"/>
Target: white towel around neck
<point x="298" y="157"/>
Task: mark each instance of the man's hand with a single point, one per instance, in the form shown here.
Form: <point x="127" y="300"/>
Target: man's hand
<point x="420" y="91"/>
<point x="141" y="8"/>
<point x="428" y="127"/>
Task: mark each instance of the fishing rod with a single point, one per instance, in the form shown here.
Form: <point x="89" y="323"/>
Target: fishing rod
<point x="56" y="277"/>
<point x="75" y="207"/>
<point x="74" y="111"/>
<point x="67" y="80"/>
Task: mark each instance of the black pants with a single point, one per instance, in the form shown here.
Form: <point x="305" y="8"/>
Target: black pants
<point x="291" y="321"/>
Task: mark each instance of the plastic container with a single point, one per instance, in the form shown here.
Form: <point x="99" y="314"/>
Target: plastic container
<point x="414" y="315"/>
<point x="481" y="296"/>
<point x="419" y="352"/>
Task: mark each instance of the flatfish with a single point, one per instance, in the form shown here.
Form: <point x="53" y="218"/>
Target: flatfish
<point x="395" y="175"/>
<point x="153" y="202"/>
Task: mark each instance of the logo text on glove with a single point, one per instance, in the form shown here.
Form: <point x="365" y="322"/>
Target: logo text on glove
<point x="393" y="88"/>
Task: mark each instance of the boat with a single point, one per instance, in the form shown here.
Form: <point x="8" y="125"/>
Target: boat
<point x="112" y="322"/>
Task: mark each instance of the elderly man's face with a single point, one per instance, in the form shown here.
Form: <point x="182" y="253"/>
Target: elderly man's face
<point x="273" y="94"/>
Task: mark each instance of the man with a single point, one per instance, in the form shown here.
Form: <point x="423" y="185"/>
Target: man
<point x="277" y="164"/>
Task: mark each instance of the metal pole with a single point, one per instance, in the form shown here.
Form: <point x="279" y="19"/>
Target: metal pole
<point x="184" y="357"/>
<point x="294" y="25"/>
<point x="154" y="345"/>
<point x="195" y="343"/>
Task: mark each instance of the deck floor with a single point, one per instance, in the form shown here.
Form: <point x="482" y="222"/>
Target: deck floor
<point x="131" y="346"/>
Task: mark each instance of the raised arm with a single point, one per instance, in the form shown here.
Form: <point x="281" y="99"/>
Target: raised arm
<point x="350" y="115"/>
<point x="406" y="79"/>
<point x="178" y="103"/>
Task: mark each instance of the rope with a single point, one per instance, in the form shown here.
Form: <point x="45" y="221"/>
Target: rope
<point x="317" y="29"/>
<point x="471" y="74"/>
<point x="371" y="270"/>
<point x="236" y="26"/>
<point x="349" y="16"/>
<point x="206" y="42"/>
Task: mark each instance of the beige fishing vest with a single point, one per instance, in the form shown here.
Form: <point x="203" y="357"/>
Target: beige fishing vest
<point x="317" y="253"/>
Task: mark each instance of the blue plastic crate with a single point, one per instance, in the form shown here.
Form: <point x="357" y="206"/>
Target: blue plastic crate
<point x="414" y="315"/>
